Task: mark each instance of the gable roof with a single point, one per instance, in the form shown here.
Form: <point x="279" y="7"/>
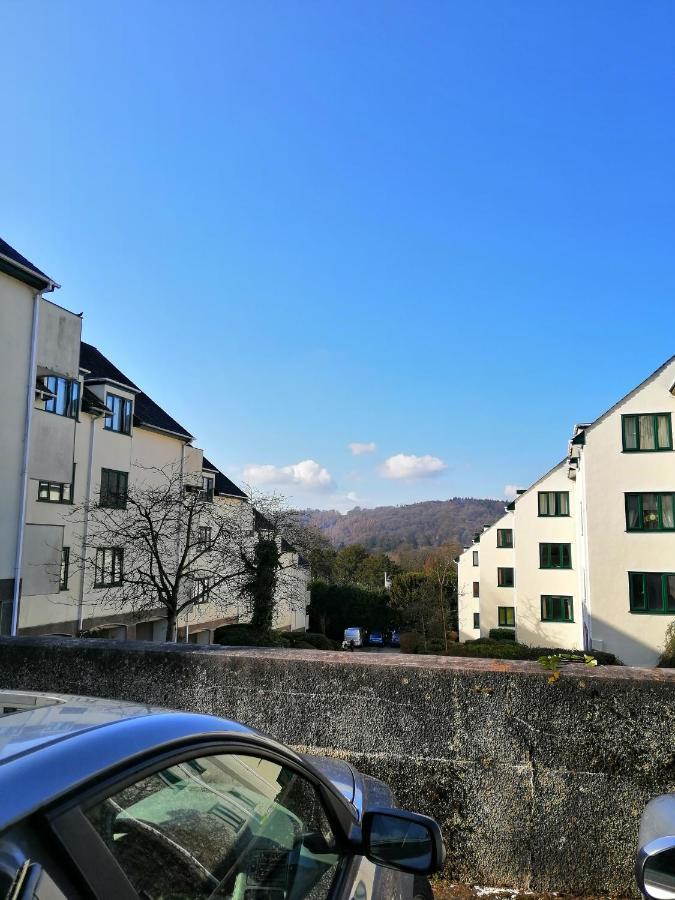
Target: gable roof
<point x="147" y="413"/>
<point x="13" y="263"/>
<point x="99" y="368"/>
<point x="223" y="485"/>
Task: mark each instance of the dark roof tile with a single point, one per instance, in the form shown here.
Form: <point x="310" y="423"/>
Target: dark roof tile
<point x="15" y="256"/>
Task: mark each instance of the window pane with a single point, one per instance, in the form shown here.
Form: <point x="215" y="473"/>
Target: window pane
<point x="555" y="556"/>
<point x="663" y="431"/>
<point x="475" y="557"/>
<point x="667" y="511"/>
<point x="476" y="588"/>
<point x="543" y="504"/>
<point x="632" y="511"/>
<point x="653" y="585"/>
<point x="563" y="503"/>
<point x="650" y="512"/>
<point x="543" y="556"/>
<point x="546" y="608"/>
<point x="61" y="396"/>
<point x="647" y="436"/>
<point x="67" y="493"/>
<point x="220" y="826"/>
<point x="670" y="593"/>
<point x="630" y="432"/>
<point x="636" y="590"/>
<point x="566" y="556"/>
<point x="43" y="490"/>
<point x="54" y="493"/>
<point x="566" y="609"/>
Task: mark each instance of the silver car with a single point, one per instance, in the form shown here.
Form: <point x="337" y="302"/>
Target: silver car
<point x="105" y="799"/>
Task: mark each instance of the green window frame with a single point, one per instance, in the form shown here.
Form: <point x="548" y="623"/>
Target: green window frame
<point x="652" y="593"/>
<point x="55" y="492"/>
<point x="118" y="417"/>
<point x="476" y="621"/>
<point x="109" y="570"/>
<point x="650" y="511"/>
<point x="65" y="399"/>
<point x="557" y="608"/>
<point x="554" y="503"/>
<point x="205" y="538"/>
<point x="555" y="556"/>
<point x="505" y="576"/>
<point x="646" y="433"/>
<point x="208" y="487"/>
<point x="114" y="486"/>
<point x="475" y="557"/>
<point x="505" y="538"/>
<point x="506" y="616"/>
<point x="476" y="589"/>
<point x="64" y="570"/>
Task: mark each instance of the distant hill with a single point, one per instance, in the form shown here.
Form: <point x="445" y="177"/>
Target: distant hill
<point x="414" y="526"/>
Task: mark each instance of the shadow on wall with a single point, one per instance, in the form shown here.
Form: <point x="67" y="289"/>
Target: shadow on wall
<point x="629" y="648"/>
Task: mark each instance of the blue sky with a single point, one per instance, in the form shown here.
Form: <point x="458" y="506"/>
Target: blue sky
<point x="442" y="228"/>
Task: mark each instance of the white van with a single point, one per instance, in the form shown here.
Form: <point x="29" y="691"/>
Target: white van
<point x="354" y="636"/>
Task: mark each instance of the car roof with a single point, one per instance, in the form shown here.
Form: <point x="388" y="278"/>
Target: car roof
<point x="55" y="743"/>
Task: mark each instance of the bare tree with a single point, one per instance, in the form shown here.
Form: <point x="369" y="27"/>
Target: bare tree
<point x="440" y="569"/>
<point x="164" y="542"/>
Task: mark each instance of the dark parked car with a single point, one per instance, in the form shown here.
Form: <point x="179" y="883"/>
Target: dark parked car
<point x="376" y="639"/>
<point x="105" y="799"/>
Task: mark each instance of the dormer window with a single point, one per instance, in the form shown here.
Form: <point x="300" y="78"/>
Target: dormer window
<point x="207" y="488"/>
<point x="118" y="417"/>
<point x="63" y="396"/>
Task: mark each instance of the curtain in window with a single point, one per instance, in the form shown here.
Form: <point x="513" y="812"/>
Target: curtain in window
<point x="633" y="512"/>
<point x="650" y="512"/>
<point x="663" y="431"/>
<point x="564" y="503"/>
<point x="566" y="604"/>
<point x="629" y="433"/>
<point x="667" y="511"/>
<point x="647" y="436"/>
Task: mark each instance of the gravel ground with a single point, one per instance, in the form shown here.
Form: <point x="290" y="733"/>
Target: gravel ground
<point x="446" y="891"/>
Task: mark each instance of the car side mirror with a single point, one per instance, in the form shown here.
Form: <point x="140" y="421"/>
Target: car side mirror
<point x="655" y="863"/>
<point x="402" y="840"/>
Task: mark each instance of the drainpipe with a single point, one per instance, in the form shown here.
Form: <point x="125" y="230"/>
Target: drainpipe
<point x="23" y="495"/>
<point x="85" y="527"/>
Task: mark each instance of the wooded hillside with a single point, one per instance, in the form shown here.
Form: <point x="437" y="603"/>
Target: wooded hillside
<point x="417" y="525"/>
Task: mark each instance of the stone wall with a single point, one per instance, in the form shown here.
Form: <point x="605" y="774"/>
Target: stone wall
<point x="535" y="785"/>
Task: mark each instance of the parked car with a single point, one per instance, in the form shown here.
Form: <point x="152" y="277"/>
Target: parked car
<point x="356" y="636"/>
<point x="395" y="639"/>
<point x="376" y="639"/>
<point x="100" y="798"/>
<point x="655" y="863"/>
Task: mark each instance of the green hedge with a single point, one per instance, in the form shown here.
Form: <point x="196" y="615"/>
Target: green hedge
<point x="484" y="648"/>
<point x="246" y="636"/>
<point x="502" y="634"/>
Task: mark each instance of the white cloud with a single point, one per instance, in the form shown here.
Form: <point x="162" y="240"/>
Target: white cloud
<point x="404" y="465"/>
<point x="359" y="449"/>
<point x="305" y="474"/>
<point x="510" y="491"/>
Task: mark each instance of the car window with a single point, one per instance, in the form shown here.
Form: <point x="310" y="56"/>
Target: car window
<point x="227" y="826"/>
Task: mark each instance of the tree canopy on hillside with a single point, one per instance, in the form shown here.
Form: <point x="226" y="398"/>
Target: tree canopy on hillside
<point x="407" y="528"/>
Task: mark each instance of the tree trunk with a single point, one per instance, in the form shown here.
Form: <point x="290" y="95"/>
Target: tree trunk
<point x="170" y="628"/>
<point x="445" y="625"/>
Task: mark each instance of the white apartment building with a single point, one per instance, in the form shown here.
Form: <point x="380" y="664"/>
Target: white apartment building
<point x="92" y="433"/>
<point x="585" y="557"/>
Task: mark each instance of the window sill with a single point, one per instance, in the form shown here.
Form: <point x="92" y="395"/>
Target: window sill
<point x="55" y="502"/>
<point x="652" y="612"/>
<point x="655" y="450"/>
<point x="557" y="621"/>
